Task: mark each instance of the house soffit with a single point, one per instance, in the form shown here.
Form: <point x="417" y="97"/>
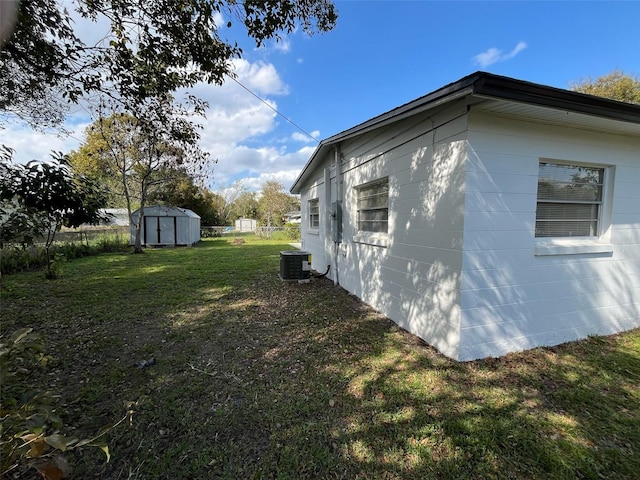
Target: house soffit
<point x="554" y="116"/>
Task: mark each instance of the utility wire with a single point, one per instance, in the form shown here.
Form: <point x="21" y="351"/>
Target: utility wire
<point x="275" y="110"/>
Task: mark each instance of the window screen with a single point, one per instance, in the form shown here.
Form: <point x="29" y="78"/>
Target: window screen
<point x="314" y="213"/>
<point x="569" y="200"/>
<point x="373" y="207"/>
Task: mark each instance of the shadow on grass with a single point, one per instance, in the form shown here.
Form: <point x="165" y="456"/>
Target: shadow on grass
<point x="255" y="378"/>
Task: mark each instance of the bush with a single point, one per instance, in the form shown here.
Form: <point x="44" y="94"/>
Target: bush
<point x="209" y="232"/>
<point x="17" y="258"/>
<point x="292" y="231"/>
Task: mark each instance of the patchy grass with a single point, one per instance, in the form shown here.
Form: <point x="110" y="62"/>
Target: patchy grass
<point x="255" y="378"/>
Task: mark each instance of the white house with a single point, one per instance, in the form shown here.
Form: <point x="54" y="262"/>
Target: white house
<point x="489" y="216"/>
<point x="164" y="225"/>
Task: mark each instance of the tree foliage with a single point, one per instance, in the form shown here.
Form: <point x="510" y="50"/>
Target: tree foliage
<point x="181" y="190"/>
<point x="246" y="206"/>
<point x="39" y="198"/>
<point x="274" y="203"/>
<point x="615" y="85"/>
<point x="225" y="202"/>
<point x="152" y="48"/>
<point x="140" y="151"/>
<point x="43" y="66"/>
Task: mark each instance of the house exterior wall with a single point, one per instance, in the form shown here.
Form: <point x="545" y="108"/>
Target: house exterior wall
<point x="317" y="241"/>
<point x="412" y="275"/>
<point x="512" y="297"/>
<point x="461" y="266"/>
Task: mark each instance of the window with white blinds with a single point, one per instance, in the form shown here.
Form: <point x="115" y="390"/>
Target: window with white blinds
<point x="569" y="200"/>
<point x="314" y="213"/>
<point x="373" y="206"/>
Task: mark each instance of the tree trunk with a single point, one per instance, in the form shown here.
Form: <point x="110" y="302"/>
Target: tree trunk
<point x="137" y="247"/>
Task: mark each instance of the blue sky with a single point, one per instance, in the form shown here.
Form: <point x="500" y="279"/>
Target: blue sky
<point x="380" y="55"/>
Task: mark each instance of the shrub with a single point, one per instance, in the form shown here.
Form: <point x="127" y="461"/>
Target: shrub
<point x="292" y="231"/>
<point x="16" y="257"/>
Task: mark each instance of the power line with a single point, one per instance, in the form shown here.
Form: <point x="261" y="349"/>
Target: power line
<point x="275" y="110"/>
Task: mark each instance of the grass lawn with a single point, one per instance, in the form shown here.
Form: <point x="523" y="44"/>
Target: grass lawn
<point x="256" y="378"/>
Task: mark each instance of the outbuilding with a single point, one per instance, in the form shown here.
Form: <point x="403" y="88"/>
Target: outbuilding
<point x="246" y="225"/>
<point x="164" y="225"/>
<point x="489" y="216"/>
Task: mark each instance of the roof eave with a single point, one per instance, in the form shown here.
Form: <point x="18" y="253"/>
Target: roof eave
<point x="505" y="88"/>
<point x="482" y="84"/>
<point x="443" y="95"/>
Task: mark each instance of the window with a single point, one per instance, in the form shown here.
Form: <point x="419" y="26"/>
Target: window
<point x="373" y="206"/>
<point x="569" y="200"/>
<point x="314" y="213"/>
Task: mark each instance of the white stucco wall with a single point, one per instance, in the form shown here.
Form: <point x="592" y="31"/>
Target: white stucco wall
<point x="513" y="299"/>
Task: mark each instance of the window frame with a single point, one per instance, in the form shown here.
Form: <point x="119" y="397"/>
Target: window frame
<point x="374" y="236"/>
<point x="599" y="242"/>
<point x="314" y="204"/>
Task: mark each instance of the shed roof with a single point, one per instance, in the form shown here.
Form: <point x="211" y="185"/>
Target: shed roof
<point x="503" y="93"/>
<point x="167" y="211"/>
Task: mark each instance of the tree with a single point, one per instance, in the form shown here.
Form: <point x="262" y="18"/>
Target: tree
<point x="180" y="190"/>
<point x="152" y="49"/>
<point x="89" y="161"/>
<point x="615" y="85"/>
<point x="226" y="200"/>
<point x="42" y="65"/>
<point x="140" y="150"/>
<point x="39" y="198"/>
<point x="246" y="206"/>
<point x="274" y="203"/>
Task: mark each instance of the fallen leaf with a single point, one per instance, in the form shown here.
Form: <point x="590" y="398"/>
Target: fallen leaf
<point x="57" y="469"/>
<point x="57" y="441"/>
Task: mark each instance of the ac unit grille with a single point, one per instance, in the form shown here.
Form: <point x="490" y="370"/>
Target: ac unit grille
<point x="295" y="265"/>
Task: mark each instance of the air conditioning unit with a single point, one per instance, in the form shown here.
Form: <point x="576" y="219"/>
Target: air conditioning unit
<point x="295" y="265"/>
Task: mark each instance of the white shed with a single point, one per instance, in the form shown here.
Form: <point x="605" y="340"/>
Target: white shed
<point x="164" y="225"/>
<point x="489" y="216"/>
<point x="246" y="225"/>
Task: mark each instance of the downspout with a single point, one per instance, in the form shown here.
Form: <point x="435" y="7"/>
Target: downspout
<point x="338" y="234"/>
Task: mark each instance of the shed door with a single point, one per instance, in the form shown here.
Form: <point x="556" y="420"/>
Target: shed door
<point x="159" y="230"/>
<point x="167" y="231"/>
<point x="151" y="235"/>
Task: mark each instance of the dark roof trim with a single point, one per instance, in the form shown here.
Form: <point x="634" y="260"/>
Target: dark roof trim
<point x="484" y="84"/>
<point x="532" y="93"/>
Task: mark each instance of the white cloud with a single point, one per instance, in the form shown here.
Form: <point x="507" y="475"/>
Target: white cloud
<point x="238" y="124"/>
<point x="33" y="145"/>
<point x="283" y="45"/>
<point x="285" y="177"/>
<point x="239" y="131"/>
<point x="260" y="77"/>
<point x="495" y="55"/>
<point x="303" y="137"/>
<point x="258" y="165"/>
